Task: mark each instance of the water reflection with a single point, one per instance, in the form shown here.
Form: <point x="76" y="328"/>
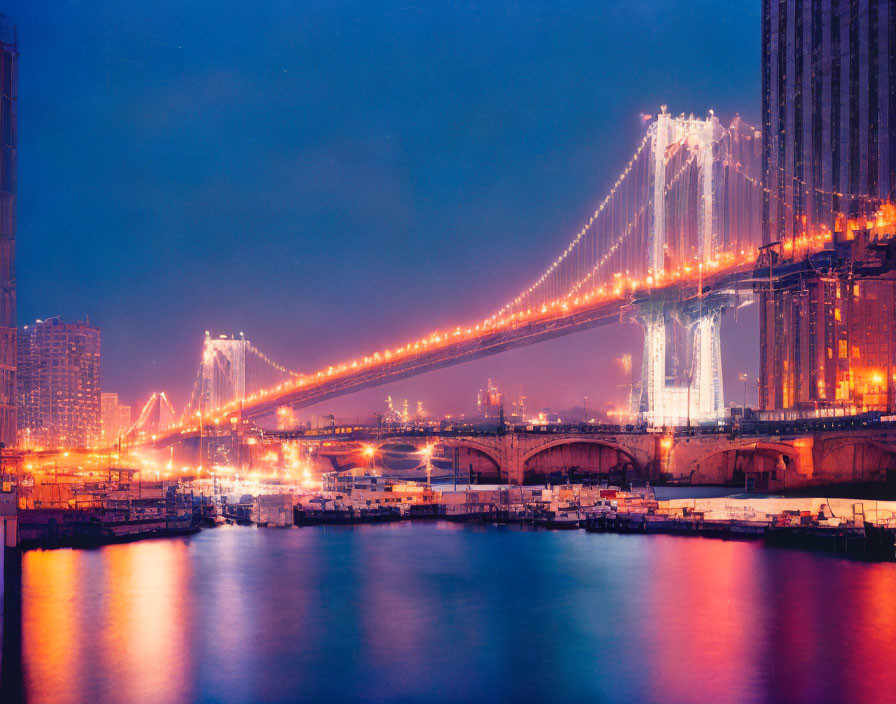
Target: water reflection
<point x="703" y="609"/>
<point x="413" y="611"/>
<point x="106" y="625"/>
<point x="53" y="609"/>
<point x="144" y="622"/>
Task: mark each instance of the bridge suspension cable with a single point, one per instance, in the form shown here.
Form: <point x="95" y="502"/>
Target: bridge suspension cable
<point x="680" y="207"/>
<point x="600" y="244"/>
<point x="267" y="360"/>
<point x="557" y="264"/>
<point x="599" y="265"/>
<point x="232" y="369"/>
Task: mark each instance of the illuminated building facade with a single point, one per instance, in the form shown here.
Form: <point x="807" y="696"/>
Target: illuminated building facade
<point x="490" y="403"/>
<point x="58" y="385"/>
<point x="124" y="418"/>
<point x="839" y="350"/>
<point x="115" y="418"/>
<point x="828" y="168"/>
<point x="8" y="94"/>
<point x="828" y="112"/>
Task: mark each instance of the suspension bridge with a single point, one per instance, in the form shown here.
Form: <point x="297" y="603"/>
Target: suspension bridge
<point x="674" y="242"/>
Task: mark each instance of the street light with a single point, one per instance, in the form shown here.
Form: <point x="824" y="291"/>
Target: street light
<point x="369" y="452"/>
<point x="427" y="455"/>
<point x="744" y="377"/>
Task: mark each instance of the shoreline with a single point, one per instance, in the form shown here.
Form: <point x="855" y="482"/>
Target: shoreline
<point x="868" y="543"/>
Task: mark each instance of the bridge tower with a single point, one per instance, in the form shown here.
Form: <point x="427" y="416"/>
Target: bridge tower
<point x="686" y="385"/>
<point x="231" y="369"/>
<point x="223" y="370"/>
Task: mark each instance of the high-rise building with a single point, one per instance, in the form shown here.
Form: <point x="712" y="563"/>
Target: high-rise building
<point x="9" y="56"/>
<point x="124" y="418"/>
<point x="828" y="172"/>
<point x="109" y="417"/>
<point x="490" y="403"/>
<point x="828" y="112"/>
<point x="58" y="385"/>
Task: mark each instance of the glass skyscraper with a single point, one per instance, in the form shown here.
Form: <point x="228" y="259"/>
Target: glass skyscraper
<point x="828" y="158"/>
<point x="828" y="112"/>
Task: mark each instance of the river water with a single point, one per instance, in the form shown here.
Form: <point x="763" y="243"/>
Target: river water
<point x="447" y="612"/>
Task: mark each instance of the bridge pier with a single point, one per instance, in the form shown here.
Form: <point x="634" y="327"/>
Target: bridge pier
<point x="686" y="386"/>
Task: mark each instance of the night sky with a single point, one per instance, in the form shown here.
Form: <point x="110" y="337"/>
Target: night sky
<point x="336" y="178"/>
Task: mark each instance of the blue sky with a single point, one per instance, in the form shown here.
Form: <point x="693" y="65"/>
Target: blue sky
<point x="332" y="178"/>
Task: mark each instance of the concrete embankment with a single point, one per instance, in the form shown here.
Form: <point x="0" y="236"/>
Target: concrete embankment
<point x="53" y="528"/>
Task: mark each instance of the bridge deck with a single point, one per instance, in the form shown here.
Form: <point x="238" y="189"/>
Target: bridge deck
<point x="497" y="339"/>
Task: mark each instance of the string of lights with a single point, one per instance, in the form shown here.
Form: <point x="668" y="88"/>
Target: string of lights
<point x="821" y="191"/>
<point x="608" y="254"/>
<point x="627" y="231"/>
<point x="271" y="362"/>
<point x="783" y="201"/>
<point x="619" y="220"/>
<point x="759" y="185"/>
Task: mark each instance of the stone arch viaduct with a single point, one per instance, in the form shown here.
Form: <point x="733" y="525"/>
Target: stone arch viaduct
<point x="772" y="461"/>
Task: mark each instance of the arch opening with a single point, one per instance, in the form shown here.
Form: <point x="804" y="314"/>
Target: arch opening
<point x="398" y="456"/>
<point x="858" y="462"/>
<point x="469" y="464"/>
<point x="581" y="462"/>
<point x="754" y="468"/>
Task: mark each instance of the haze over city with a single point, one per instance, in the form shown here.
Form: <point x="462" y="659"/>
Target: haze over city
<point x="334" y="181"/>
<point x="457" y="352"/>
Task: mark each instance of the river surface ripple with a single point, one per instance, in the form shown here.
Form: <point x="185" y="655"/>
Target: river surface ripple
<point x="438" y="612"/>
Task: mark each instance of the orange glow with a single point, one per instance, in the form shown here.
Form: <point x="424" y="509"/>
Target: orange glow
<point x="587" y="294"/>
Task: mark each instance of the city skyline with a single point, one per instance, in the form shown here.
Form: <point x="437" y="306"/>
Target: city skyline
<point x="429" y="235"/>
<point x="507" y="352"/>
